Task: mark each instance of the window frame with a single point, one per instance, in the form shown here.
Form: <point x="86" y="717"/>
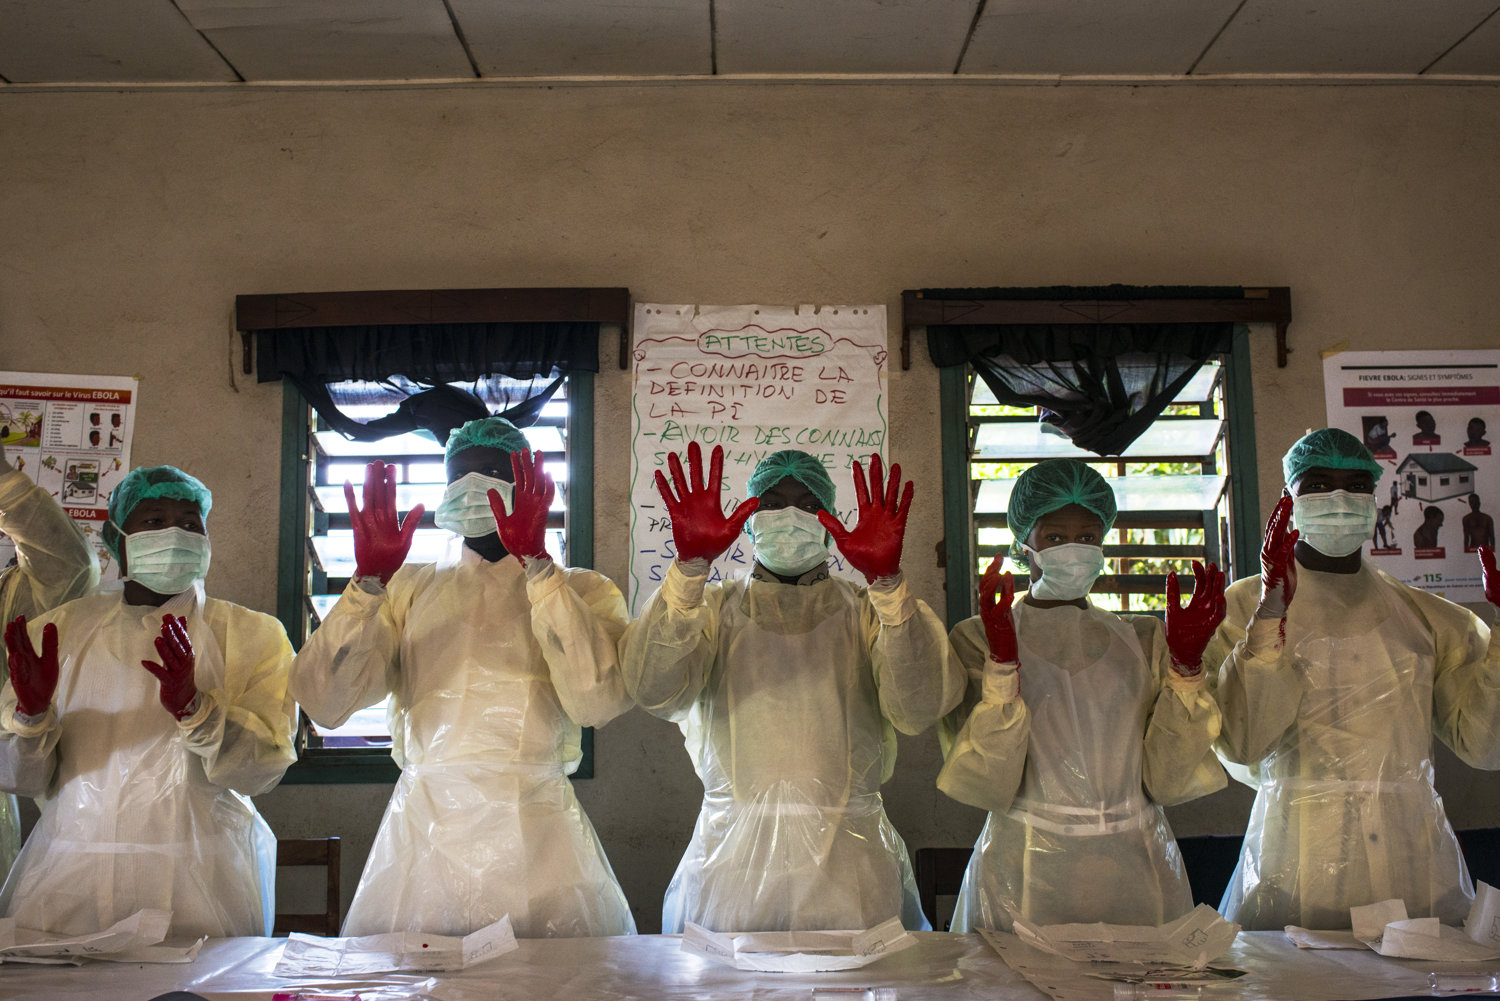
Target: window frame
<point x="958" y="498"/>
<point x="348" y="765"/>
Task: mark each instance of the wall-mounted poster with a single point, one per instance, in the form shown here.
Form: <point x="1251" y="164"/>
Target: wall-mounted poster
<point x="1429" y="417"/>
<point x="71" y="434"/>
<point x="755" y="380"/>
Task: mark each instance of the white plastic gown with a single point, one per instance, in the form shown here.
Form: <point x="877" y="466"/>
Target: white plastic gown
<point x="789" y="697"/>
<point x="54" y="564"/>
<point x="139" y="810"/>
<point x="1075" y="768"/>
<point x="1336" y="730"/>
<point x="492" y="676"/>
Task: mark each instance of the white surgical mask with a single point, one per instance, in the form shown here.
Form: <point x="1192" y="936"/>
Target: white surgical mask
<point x="1068" y="571"/>
<point x="166" y="560"/>
<point x="465" y="509"/>
<point x="788" y="541"/>
<point x="1336" y="523"/>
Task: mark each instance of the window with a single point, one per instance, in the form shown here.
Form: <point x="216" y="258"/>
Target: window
<point x="1172" y="486"/>
<point x="343" y="356"/>
<point x="1171" y="436"/>
<point x="317" y="461"/>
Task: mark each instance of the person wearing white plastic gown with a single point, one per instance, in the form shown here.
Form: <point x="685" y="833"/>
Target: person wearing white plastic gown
<point x="143" y="767"/>
<point x="54" y="564"/>
<point x="493" y="657"/>
<point x="789" y="685"/>
<point x="1079" y="725"/>
<point x="1330" y="705"/>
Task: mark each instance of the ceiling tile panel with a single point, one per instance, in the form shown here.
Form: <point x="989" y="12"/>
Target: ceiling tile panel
<point x="1477" y="55"/>
<point x="333" y="39"/>
<point x="587" y="38"/>
<point x="122" y="41"/>
<point x="841" y="36"/>
<point x="1341" y="36"/>
<point x="1094" y="37"/>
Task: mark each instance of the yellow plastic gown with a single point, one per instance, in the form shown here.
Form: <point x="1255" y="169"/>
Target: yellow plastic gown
<point x="54" y="564"/>
<point x="1074" y="769"/>
<point x="139" y="810"/>
<point x="1335" y="728"/>
<point x="789" y="697"/>
<point x="492" y="676"/>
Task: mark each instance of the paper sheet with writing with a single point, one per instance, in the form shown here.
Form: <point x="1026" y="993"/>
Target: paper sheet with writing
<point x="1193" y="940"/>
<point x="1385" y="928"/>
<point x="798" y="951"/>
<point x="139" y="938"/>
<point x="754" y="380"/>
<point x="71" y="435"/>
<point x="310" y="955"/>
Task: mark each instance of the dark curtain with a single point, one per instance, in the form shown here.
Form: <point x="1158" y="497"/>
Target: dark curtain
<point x="1101" y="384"/>
<point x="415" y="365"/>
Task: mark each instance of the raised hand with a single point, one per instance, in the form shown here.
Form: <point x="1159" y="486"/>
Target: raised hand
<point x="874" y="546"/>
<point x="1189" y="629"/>
<point x="999" y="627"/>
<point x="699" y="528"/>
<point x="380" y="542"/>
<point x="175" y="672"/>
<point x="1278" y="564"/>
<point x="523" y="532"/>
<point x="1490" y="575"/>
<point x="33" y="677"/>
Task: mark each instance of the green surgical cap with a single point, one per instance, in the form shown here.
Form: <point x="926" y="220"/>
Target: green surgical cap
<point x="145" y="483"/>
<point x="1054" y="484"/>
<point x="1327" y="448"/>
<point x="799" y="466"/>
<point x="489" y="432"/>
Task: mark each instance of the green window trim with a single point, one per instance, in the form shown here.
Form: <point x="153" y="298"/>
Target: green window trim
<point x="958" y="502"/>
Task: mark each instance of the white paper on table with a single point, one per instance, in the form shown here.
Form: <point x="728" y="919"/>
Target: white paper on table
<point x="310" y="955"/>
<point x="798" y="951"/>
<point x="142" y="929"/>
<point x="1385" y="928"/>
<point x="1193" y="940"/>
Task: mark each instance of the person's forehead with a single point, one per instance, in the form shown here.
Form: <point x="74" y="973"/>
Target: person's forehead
<point x="790" y="488"/>
<point x="477" y="458"/>
<point x="1338" y="477"/>
<point x="172" y="507"/>
<point x="1071" y="516"/>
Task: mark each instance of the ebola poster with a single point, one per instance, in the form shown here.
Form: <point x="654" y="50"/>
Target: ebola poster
<point x="1429" y="418"/>
<point x="754" y="380"/>
<point x="71" y="435"/>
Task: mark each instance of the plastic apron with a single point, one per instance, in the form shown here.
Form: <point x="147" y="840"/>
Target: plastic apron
<point x="1081" y="842"/>
<point x="483" y="821"/>
<point x="791" y="747"/>
<point x="132" y="821"/>
<point x="1346" y="813"/>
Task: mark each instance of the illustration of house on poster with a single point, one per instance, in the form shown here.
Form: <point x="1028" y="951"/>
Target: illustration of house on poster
<point x="1425" y="416"/>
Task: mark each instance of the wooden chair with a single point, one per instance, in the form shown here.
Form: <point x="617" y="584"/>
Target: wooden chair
<point x="309" y="852"/>
<point x="939" y="873"/>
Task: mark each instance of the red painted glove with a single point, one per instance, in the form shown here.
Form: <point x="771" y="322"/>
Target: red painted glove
<point x="874" y="547"/>
<point x="1189" y="629"/>
<point x="1278" y="564"/>
<point x="175" y="672"/>
<point x="380" y="543"/>
<point x="999" y="627"/>
<point x="1490" y="575"/>
<point x="33" y="677"/>
<point x="699" y="528"/>
<point x="523" y="532"/>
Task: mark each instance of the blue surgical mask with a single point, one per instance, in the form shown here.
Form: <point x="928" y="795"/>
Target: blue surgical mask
<point x="166" y="560"/>
<point x="1336" y="523"/>
<point x="1068" y="571"/>
<point x="465" y="509"/>
<point x="788" y="541"/>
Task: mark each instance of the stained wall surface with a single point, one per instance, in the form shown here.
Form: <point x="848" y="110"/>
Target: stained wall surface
<point x="130" y="220"/>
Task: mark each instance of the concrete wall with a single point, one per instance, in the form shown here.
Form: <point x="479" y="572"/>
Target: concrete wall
<point x="130" y="220"/>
